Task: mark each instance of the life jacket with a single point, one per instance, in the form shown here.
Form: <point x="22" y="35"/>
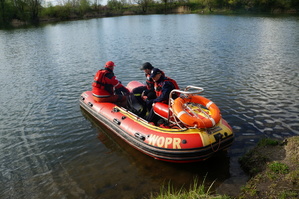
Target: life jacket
<point x="99" y="81"/>
<point x="149" y="82"/>
<point x="158" y="86"/>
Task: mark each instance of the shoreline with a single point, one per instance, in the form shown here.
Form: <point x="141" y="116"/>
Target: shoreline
<point x="15" y="23"/>
<point x="273" y="169"/>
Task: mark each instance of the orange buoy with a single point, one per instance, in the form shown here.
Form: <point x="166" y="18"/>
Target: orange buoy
<point x="207" y="121"/>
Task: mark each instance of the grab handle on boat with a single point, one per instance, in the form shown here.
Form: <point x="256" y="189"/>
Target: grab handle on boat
<point x="115" y="109"/>
<point x="218" y="137"/>
<point x="140" y="136"/>
<point x="116" y="121"/>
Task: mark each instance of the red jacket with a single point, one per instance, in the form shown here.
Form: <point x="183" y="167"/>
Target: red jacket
<point x="105" y="83"/>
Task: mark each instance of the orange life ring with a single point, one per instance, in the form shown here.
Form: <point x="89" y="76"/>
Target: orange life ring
<point x="199" y="121"/>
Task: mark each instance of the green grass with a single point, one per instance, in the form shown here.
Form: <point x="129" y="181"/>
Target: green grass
<point x="287" y="194"/>
<point x="268" y="142"/>
<point x="278" y="168"/>
<point x="196" y="191"/>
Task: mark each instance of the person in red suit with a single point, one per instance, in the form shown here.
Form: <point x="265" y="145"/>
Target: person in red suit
<point x="106" y="87"/>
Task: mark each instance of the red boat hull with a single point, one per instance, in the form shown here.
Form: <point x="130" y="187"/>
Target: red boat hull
<point x="172" y="145"/>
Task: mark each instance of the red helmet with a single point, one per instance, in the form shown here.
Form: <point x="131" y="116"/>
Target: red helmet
<point x="109" y="64"/>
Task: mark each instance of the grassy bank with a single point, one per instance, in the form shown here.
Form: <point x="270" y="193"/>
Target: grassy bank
<point x="274" y="169"/>
<point x="196" y="191"/>
<point x="272" y="165"/>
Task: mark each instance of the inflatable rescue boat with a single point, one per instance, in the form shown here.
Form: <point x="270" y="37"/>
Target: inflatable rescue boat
<point x="192" y="129"/>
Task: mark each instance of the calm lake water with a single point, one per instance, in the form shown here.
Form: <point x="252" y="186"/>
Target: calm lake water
<point x="50" y="148"/>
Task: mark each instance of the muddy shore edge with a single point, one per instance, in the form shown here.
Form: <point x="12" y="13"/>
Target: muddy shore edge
<point x="273" y="167"/>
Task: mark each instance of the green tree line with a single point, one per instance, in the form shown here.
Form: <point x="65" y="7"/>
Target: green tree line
<point x="33" y="11"/>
